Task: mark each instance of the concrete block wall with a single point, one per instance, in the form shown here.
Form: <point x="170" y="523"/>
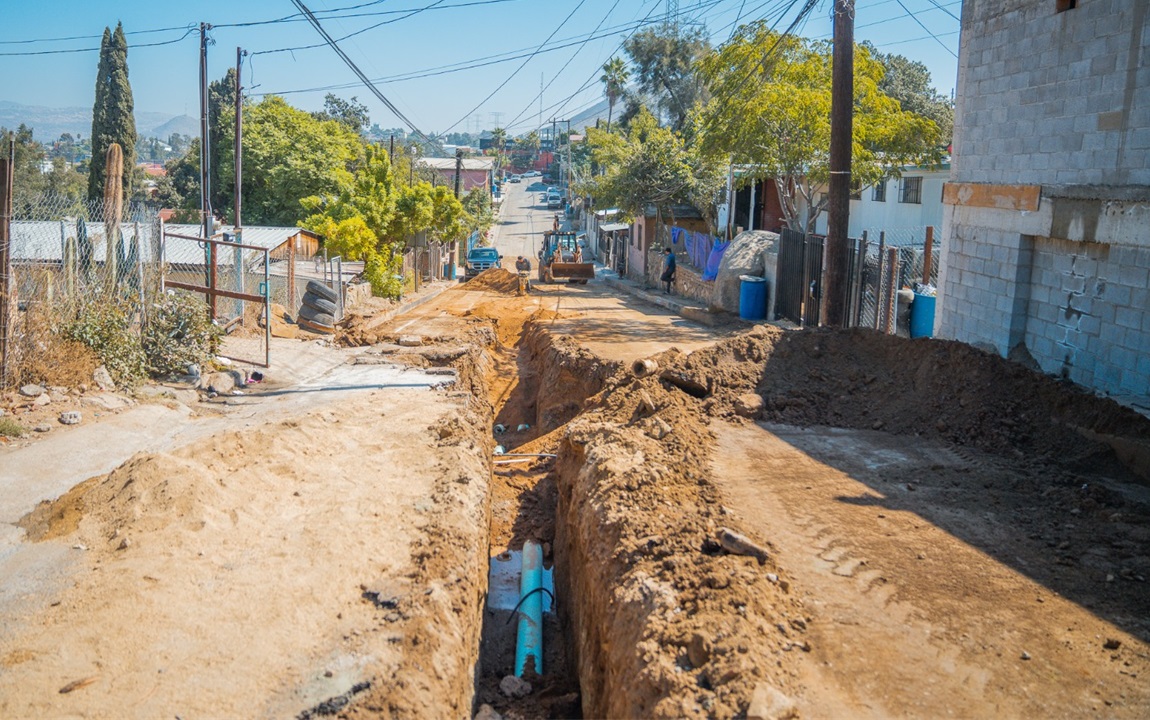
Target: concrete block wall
<point x="1088" y="318"/>
<point x="1053" y="98"/>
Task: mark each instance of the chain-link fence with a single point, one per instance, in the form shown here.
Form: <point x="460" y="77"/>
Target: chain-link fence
<point x="894" y="259"/>
<point x="65" y="257"/>
<point x="233" y="279"/>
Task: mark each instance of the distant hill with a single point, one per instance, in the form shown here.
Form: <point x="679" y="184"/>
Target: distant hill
<point x="588" y="117"/>
<point x="181" y="124"/>
<point x="49" y="123"/>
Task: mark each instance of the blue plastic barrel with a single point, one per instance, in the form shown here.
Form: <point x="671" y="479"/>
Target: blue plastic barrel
<point x="752" y="297"/>
<point x="922" y="316"/>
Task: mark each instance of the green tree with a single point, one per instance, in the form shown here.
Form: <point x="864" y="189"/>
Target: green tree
<point x="450" y="222"/>
<point x="908" y="81"/>
<point x="664" y="59"/>
<point x="29" y="181"/>
<point x="772" y="113"/>
<point x="290" y="155"/>
<point x="614" y="79"/>
<point x="112" y="119"/>
<point x="350" y="113"/>
<point x="364" y="202"/>
<point x="222" y="129"/>
<point x="650" y="165"/>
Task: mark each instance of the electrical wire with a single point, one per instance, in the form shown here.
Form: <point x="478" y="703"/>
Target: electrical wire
<point x="26" y="53"/>
<point x="517" y="70"/>
<point x="359" y="73"/>
<point x="924" y="27"/>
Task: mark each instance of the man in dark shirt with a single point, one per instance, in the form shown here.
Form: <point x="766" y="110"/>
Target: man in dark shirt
<point x="668" y="275"/>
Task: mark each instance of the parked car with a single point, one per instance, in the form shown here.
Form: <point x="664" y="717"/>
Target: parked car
<point x="480" y="259"/>
<point x="514" y="179"/>
<point x="554" y="199"/>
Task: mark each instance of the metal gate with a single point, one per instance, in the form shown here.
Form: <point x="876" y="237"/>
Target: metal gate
<point x="799" y="275"/>
<point x="225" y="273"/>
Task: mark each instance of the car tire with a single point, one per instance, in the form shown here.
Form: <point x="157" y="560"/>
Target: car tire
<point x="323" y="305"/>
<point x="316" y="328"/>
<point x="316" y="317"/>
<point x="317" y="288"/>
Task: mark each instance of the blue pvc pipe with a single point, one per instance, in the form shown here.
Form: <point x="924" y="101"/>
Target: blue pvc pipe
<point x="529" y="638"/>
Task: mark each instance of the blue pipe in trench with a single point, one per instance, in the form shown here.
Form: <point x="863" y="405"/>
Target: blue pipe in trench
<point x="529" y="637"/>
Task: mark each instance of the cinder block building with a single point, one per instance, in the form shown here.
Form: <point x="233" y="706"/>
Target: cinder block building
<point x="1046" y="218"/>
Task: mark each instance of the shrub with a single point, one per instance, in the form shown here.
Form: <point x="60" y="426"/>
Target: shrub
<point x="11" y="428"/>
<point x="106" y="326"/>
<point x="179" y="333"/>
<point x="383" y="270"/>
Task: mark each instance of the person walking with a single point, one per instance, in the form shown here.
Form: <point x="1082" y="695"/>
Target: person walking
<point x="668" y="275"/>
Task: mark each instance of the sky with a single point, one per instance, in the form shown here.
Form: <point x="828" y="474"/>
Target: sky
<point x="392" y="40"/>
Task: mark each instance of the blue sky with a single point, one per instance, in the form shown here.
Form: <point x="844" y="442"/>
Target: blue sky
<point x="165" y="77"/>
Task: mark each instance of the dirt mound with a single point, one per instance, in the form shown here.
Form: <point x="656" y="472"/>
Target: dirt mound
<point x="939" y="389"/>
<point x="494" y="280"/>
<point x="667" y="623"/>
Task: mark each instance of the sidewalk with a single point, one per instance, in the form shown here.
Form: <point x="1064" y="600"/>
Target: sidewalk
<point x="685" y="307"/>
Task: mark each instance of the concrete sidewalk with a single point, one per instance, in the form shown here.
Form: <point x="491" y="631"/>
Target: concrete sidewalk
<point x="685" y="307"/>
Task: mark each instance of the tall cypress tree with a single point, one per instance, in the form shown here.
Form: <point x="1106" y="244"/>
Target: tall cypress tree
<point x="112" y="118"/>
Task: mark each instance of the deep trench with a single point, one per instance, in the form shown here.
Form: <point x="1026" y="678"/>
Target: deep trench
<point x="540" y="368"/>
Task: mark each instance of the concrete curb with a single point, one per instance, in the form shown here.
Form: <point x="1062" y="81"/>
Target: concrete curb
<point x="408" y="306"/>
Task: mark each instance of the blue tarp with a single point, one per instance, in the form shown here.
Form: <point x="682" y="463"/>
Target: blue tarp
<point x="711" y="271"/>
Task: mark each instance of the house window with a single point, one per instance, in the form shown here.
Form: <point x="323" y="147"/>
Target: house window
<point x="878" y="193"/>
<point x="910" y="191"/>
<point x="1064" y="5"/>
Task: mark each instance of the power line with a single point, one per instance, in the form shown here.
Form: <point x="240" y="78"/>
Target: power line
<point x="359" y="73"/>
<point x="516" y="72"/>
<point x="940" y="7"/>
<point x="187" y="32"/>
<point x="924" y="27"/>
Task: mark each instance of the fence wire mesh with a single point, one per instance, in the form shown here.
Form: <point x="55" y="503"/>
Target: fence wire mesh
<point x="68" y="257"/>
<point x="894" y="259"/>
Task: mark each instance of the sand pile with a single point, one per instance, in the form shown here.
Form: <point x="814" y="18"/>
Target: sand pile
<point x="494" y="280"/>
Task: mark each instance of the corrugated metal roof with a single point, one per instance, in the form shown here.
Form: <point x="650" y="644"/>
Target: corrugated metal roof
<point x="268" y="237"/>
<point x="468" y="163"/>
<point x="43" y="240"/>
<point x="613" y="227"/>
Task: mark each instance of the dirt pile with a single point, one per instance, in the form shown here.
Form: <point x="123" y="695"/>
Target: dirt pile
<point x="495" y="280"/>
<point x="566" y="374"/>
<point x="937" y="389"/>
<point x="665" y="622"/>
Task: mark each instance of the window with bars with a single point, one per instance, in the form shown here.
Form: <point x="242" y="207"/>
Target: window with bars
<point x="878" y="192"/>
<point x="910" y="190"/>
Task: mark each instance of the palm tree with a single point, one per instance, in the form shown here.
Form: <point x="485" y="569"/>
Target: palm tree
<point x="499" y="138"/>
<point x="614" y="79"/>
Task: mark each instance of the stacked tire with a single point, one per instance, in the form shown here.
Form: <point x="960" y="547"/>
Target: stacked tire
<point x="319" y="309"/>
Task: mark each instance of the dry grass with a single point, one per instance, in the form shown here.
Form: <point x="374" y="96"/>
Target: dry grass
<point x="42" y="355"/>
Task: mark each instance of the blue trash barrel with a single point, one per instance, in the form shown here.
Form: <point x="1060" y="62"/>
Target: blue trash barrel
<point x="752" y="297"/>
<point x="922" y="316"/>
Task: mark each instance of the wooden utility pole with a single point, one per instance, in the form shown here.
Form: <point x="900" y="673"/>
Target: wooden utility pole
<point x="205" y="171"/>
<point x="838" y="206"/>
<point x="7" y="180"/>
<point x="458" y="187"/>
<point x="927" y="250"/>
<point x="239" y="149"/>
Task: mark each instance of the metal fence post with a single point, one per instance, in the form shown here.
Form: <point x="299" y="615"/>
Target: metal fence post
<point x="6" y="182"/>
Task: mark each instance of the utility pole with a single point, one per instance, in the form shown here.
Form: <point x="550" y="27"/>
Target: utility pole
<point x="239" y="149"/>
<point x="205" y="139"/>
<point x="391" y="150"/>
<point x="838" y="206"/>
<point x="458" y="185"/>
<point x="539" y="121"/>
<point x="7" y="180"/>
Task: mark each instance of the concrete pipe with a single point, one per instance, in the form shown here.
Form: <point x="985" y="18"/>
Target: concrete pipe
<point x="643" y="368"/>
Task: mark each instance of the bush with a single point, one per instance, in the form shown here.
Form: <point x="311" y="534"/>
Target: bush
<point x="106" y="326"/>
<point x="179" y="333"/>
<point x="11" y="428"/>
<point x="383" y="270"/>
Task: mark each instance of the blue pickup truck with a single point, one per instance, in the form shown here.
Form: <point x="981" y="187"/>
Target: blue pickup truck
<point x="480" y="259"/>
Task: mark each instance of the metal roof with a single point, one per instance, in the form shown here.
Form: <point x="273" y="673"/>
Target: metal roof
<point x="264" y="236"/>
<point x="484" y="163"/>
<point x="43" y="240"/>
<point x="612" y="227"/>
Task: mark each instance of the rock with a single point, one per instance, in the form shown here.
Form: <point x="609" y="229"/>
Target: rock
<point x="486" y="712"/>
<point x="646" y="404"/>
<point x="42" y="400"/>
<point x="746" y="255"/>
<point x="1025" y="655"/>
<point x="768" y="703"/>
<point x="124" y="544"/>
<point x="70" y="417"/>
<point x="1112" y="644"/>
<point x="739" y="544"/>
<point x="410" y="340"/>
<point x="106" y="401"/>
<point x="32" y="391"/>
<point x="749" y="405"/>
<point x="221" y="383"/>
<point x="514" y="687"/>
<point x="698" y="650"/>
<point x="659" y="428"/>
<point x="42" y="428"/>
<point x="103" y="379"/>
